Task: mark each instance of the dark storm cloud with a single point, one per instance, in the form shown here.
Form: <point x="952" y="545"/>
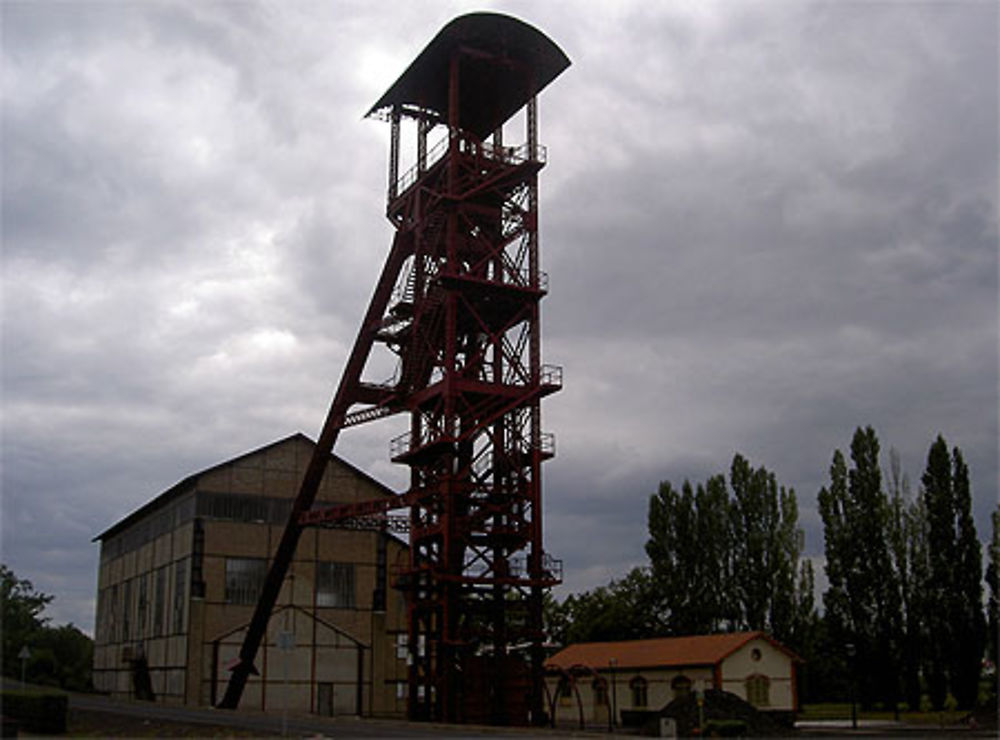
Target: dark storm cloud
<point x="765" y="225"/>
<point x="774" y="231"/>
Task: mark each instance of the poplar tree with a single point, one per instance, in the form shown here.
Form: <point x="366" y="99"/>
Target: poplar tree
<point x="672" y="556"/>
<point x="714" y="571"/>
<point x="938" y="504"/>
<point x="862" y="605"/>
<point x="766" y="549"/>
<point x="688" y="551"/>
<point x="993" y="610"/>
<point x="730" y="560"/>
<point x="954" y="591"/>
<point x="906" y="537"/>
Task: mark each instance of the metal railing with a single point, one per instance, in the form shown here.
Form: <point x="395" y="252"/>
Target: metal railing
<point x="552" y="375"/>
<point x="511" y="155"/>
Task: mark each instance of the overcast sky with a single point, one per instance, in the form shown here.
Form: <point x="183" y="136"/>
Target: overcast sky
<point x="764" y="223"/>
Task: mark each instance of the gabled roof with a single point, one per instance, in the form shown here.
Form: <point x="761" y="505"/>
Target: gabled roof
<point x="189" y="484"/>
<point x="694" y="650"/>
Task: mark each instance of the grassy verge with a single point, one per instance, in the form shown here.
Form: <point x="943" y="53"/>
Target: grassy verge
<point x="841" y="711"/>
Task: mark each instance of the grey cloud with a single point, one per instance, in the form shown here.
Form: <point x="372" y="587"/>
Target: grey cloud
<point x="765" y="225"/>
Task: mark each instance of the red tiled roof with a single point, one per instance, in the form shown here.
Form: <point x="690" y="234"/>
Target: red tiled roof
<point x="664" y="651"/>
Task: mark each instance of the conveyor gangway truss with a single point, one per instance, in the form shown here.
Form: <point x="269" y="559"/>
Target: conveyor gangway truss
<point x="457" y="304"/>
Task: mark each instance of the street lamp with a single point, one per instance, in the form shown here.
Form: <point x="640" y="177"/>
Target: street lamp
<point x="854" y="707"/>
<point x="613" y="664"/>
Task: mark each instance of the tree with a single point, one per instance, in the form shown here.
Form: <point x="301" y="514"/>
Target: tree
<point x="766" y="549"/>
<point x="675" y="559"/>
<point x="22" y="623"/>
<point x="713" y="607"/>
<point x="622" y="610"/>
<point x="954" y="589"/>
<point x="906" y="535"/>
<point x="60" y="656"/>
<point x="722" y="560"/>
<point x="63" y="657"/>
<point x="993" y="610"/>
<point x="939" y="506"/>
<point x="967" y="659"/>
<point x="862" y="605"/>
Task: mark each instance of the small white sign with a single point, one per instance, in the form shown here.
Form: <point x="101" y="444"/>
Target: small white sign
<point x="24" y="654"/>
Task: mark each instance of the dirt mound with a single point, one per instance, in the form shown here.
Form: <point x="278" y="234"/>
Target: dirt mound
<point x="722" y="711"/>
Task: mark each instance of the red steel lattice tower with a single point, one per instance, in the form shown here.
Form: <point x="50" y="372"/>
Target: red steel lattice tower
<point x="466" y="329"/>
<point x="458" y="305"/>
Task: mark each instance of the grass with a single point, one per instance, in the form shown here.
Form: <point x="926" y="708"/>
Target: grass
<point x="832" y="710"/>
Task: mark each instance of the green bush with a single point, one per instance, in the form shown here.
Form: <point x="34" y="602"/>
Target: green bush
<point x="36" y="711"/>
<point x="725" y="728"/>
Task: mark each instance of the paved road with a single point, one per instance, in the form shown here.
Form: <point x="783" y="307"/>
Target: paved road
<point x="300" y="725"/>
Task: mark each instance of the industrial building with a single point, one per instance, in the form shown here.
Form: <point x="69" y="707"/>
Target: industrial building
<point x="179" y="579"/>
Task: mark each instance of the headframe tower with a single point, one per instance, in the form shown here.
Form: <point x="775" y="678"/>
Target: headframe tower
<point x="457" y="303"/>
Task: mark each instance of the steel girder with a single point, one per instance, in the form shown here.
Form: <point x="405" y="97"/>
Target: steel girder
<point x="458" y="303"/>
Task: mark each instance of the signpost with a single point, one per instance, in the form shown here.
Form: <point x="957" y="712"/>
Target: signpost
<point x="24" y="655"/>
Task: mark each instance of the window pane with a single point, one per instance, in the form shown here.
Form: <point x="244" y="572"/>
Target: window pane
<point x="335" y="585"/>
<point x="158" y="601"/>
<point x="600" y="692"/>
<point x="758" y="690"/>
<point x="638" y="686"/>
<point x="244" y="579"/>
<point x="179" y="594"/>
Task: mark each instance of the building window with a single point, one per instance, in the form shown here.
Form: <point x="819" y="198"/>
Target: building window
<point x="179" y="591"/>
<point x="681" y="686"/>
<point x="244" y="579"/>
<point x="237" y="507"/>
<point x="113" y="615"/>
<point x="758" y="689"/>
<point x="142" y="607"/>
<point x="335" y="585"/>
<point x="159" y="604"/>
<point x="564" y="690"/>
<point x="233" y="507"/>
<point x="197" y="557"/>
<point x="127" y="611"/>
<point x="640" y="691"/>
<point x="402" y="646"/>
<point x="600" y="687"/>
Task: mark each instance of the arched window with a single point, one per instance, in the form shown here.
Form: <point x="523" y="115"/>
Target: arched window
<point x="565" y="690"/>
<point x="758" y="689"/>
<point x="640" y="689"/>
<point x="681" y="686"/>
<point x="600" y="687"/>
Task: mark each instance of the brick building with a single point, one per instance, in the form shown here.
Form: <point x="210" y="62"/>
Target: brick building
<point x="179" y="579"/>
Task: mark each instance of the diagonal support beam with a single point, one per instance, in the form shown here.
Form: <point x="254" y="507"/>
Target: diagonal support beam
<point x="346" y="396"/>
